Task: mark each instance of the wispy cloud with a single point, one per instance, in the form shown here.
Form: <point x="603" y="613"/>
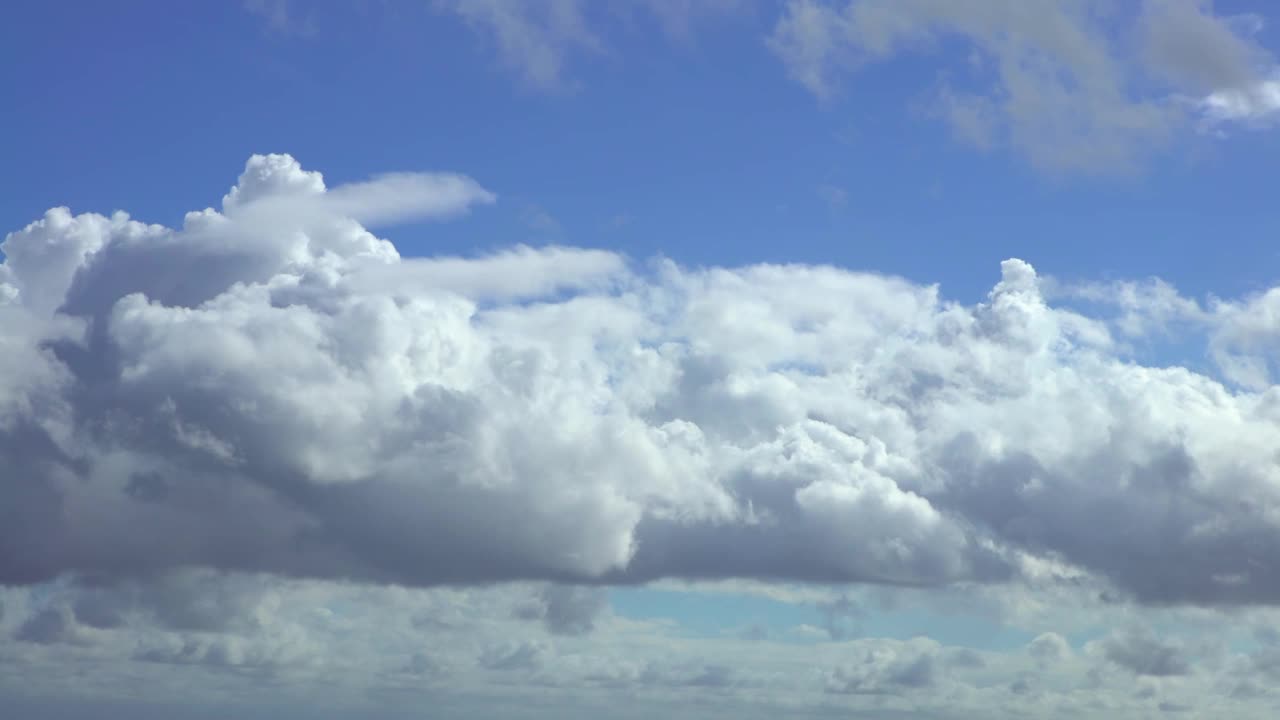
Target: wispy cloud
<point x="835" y="197"/>
<point x="280" y="16"/>
<point x="1062" y="89"/>
<point x="1258" y="104"/>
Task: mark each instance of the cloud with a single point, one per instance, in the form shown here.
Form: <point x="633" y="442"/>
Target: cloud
<point x="1147" y="308"/>
<point x="328" y="646"/>
<point x="890" y="668"/>
<point x="272" y="389"/>
<point x="280" y="17"/>
<point x="55" y="624"/>
<point x="536" y="39"/>
<point x="182" y="600"/>
<point x="518" y="273"/>
<point x="835" y="197"/>
<point x="531" y="39"/>
<point x="1184" y="41"/>
<point x="1258" y="103"/>
<point x="1061" y="86"/>
<point x="1144" y="654"/>
<point x="1049" y="648"/>
<point x="235" y="653"/>
<point x="1242" y="334"/>
<point x="840" y="617"/>
<point x="515" y="656"/>
<point x="566" y="610"/>
<point x="1080" y="87"/>
<point x="539" y="220"/>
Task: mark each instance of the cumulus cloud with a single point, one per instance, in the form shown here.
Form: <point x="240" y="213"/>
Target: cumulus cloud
<point x="566" y="610"/>
<point x="1256" y="103"/>
<point x="1049" y="648"/>
<point x="528" y="655"/>
<point x="271" y="388"/>
<point x="54" y="624"/>
<point x="840" y="617"/>
<point x="888" y="668"/>
<point x="1145" y="654"/>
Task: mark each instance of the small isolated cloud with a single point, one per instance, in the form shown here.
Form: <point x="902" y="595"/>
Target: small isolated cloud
<point x="281" y="16"/>
<point x="835" y="197"/>
<point x="532" y="39"/>
<point x="539" y="220"/>
<point x="537" y="40"/>
<point x="841" y="617"/>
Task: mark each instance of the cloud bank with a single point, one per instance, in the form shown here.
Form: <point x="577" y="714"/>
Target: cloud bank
<point x="272" y="388"/>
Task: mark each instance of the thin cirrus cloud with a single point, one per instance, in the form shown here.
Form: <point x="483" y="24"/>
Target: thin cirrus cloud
<point x="1077" y="87"/>
<point x="1060" y="85"/>
<point x="272" y="389"/>
<point x="537" y="41"/>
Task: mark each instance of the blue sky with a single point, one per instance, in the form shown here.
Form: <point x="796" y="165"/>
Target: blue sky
<point x="698" y="146"/>
<point x="708" y="444"/>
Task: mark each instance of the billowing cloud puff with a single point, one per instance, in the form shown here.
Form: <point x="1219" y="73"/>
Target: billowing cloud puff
<point x="272" y="388"/>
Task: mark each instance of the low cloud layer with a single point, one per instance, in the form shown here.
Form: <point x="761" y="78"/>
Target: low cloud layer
<point x="213" y="643"/>
<point x="272" y="388"/>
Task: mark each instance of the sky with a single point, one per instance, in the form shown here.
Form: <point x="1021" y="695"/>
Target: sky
<point x="575" y="359"/>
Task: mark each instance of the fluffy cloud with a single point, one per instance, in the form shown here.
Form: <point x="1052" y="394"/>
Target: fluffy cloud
<point x="271" y="388"/>
<point x="566" y="610"/>
<point x="892" y="668"/>
<point x="1049" y="648"/>
<point x="1145" y="654"/>
<point x="1256" y="103"/>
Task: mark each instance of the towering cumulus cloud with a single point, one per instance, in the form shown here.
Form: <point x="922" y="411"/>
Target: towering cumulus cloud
<point x="273" y="388"/>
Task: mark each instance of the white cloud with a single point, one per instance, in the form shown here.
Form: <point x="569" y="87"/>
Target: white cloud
<point x="1257" y="103"/>
<point x="518" y="273"/>
<point x="273" y="389"/>
<point x="1060" y="85"/>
